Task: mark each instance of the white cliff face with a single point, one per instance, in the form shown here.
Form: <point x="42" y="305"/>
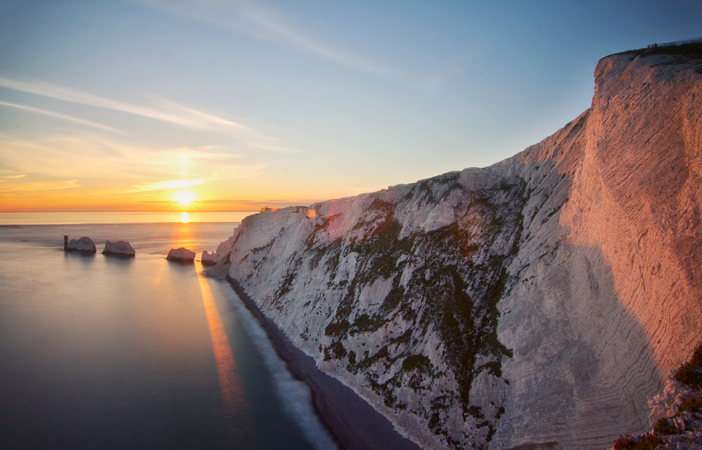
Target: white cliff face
<point x="537" y="302"/>
<point x="120" y="248"/>
<point x="83" y="245"/>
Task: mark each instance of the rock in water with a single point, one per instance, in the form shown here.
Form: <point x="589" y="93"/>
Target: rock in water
<point x="181" y="254"/>
<point x="119" y="248"/>
<point x="208" y="259"/>
<point x="83" y="245"/>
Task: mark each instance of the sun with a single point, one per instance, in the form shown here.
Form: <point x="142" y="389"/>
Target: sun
<point x="184" y="198"/>
<point x="184" y="218"/>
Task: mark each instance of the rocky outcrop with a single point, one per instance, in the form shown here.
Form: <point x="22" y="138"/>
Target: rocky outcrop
<point x="119" y="248"/>
<point x="676" y="413"/>
<point x="82" y="245"/>
<point x="535" y="303"/>
<point x="207" y="259"/>
<point x="181" y="254"/>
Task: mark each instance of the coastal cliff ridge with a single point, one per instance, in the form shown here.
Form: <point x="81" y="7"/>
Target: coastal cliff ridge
<point x="535" y="303"/>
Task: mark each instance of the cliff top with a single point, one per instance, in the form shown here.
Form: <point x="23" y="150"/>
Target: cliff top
<point x="690" y="49"/>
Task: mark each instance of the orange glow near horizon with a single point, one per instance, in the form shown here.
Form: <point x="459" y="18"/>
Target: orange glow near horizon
<point x="185" y="218"/>
<point x="184" y="198"/>
<point x="202" y="199"/>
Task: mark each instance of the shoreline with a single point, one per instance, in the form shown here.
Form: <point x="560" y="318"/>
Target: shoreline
<point x="353" y="423"/>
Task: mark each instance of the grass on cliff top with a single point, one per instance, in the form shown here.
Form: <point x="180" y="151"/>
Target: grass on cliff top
<point x="692" y="50"/>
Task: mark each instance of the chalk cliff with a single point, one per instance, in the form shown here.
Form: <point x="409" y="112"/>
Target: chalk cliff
<point x="535" y="303"/>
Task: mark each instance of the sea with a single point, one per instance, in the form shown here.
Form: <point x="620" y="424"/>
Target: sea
<point x="108" y="352"/>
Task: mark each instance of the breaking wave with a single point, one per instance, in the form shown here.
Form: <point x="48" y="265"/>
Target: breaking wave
<point x="294" y="394"/>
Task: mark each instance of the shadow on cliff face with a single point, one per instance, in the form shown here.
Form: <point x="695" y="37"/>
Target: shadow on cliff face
<point x="582" y="366"/>
<point x="464" y="302"/>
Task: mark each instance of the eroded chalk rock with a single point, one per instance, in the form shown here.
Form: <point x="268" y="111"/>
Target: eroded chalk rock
<point x="119" y="248"/>
<point x="535" y="303"/>
<point x="83" y="245"/>
<point x="181" y="254"/>
<point x="208" y="259"/>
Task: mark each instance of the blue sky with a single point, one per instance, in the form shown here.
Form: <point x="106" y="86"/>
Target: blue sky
<point x="113" y="105"/>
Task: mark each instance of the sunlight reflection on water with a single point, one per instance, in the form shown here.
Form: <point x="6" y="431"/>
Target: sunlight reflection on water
<point x="139" y="353"/>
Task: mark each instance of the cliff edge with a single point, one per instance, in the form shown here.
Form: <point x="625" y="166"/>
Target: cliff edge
<point x="536" y="303"/>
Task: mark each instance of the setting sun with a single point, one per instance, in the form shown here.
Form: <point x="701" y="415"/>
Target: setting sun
<point x="184" y="198"/>
<point x="185" y="218"/>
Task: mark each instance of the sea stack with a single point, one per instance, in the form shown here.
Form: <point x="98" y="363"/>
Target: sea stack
<point x="119" y="248"/>
<point x="181" y="254"/>
<point x="82" y="245"/>
<point x="208" y="259"/>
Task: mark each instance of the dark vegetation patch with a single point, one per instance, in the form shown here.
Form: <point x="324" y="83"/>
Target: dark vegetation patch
<point x="263" y="247"/>
<point x="648" y="441"/>
<point x="690" y="373"/>
<point x="664" y="427"/>
<point x="456" y="283"/>
<point x="413" y="362"/>
<point x="334" y="351"/>
<point x="457" y="280"/>
<point x="691" y="50"/>
<point x="285" y="285"/>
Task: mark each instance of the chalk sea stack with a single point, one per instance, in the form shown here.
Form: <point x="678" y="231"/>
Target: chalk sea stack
<point x="537" y="303"/>
<point x="181" y="254"/>
<point x="82" y="245"/>
<point x="119" y="248"/>
<point x="208" y="259"/>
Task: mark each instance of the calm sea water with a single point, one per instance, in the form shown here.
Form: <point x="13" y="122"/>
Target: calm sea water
<point x="139" y="353"/>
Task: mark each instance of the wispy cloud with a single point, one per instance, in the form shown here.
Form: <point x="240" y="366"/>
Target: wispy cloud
<point x="8" y="175"/>
<point x="163" y="110"/>
<point x="167" y="112"/>
<point x="31" y="186"/>
<point x="263" y="23"/>
<point x="434" y="83"/>
<point x="89" y="155"/>
<point x="207" y="152"/>
<point x="61" y="116"/>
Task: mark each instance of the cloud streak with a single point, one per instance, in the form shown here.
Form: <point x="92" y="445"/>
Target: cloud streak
<point x="170" y="184"/>
<point x="62" y="116"/>
<point x="169" y="112"/>
<point x="89" y="155"/>
<point x="165" y="110"/>
<point x="435" y="82"/>
<point x="263" y="23"/>
<point x="32" y="186"/>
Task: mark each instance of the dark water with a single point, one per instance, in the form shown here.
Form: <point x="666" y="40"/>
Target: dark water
<point x="104" y="352"/>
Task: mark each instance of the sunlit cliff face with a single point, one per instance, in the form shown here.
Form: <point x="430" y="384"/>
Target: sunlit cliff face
<point x="539" y="300"/>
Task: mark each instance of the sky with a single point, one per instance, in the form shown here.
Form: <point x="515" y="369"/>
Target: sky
<point x="226" y="105"/>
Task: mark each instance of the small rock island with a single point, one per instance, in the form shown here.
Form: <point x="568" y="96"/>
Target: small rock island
<point x="82" y="245"/>
<point x="181" y="254"/>
<point x="119" y="248"/>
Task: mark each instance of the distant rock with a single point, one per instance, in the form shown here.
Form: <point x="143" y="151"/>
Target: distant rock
<point x="83" y="245"/>
<point x="181" y="254"/>
<point x="208" y="259"/>
<point x="119" y="248"/>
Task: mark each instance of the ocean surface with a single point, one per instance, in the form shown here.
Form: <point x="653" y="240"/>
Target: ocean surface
<point x="140" y="353"/>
